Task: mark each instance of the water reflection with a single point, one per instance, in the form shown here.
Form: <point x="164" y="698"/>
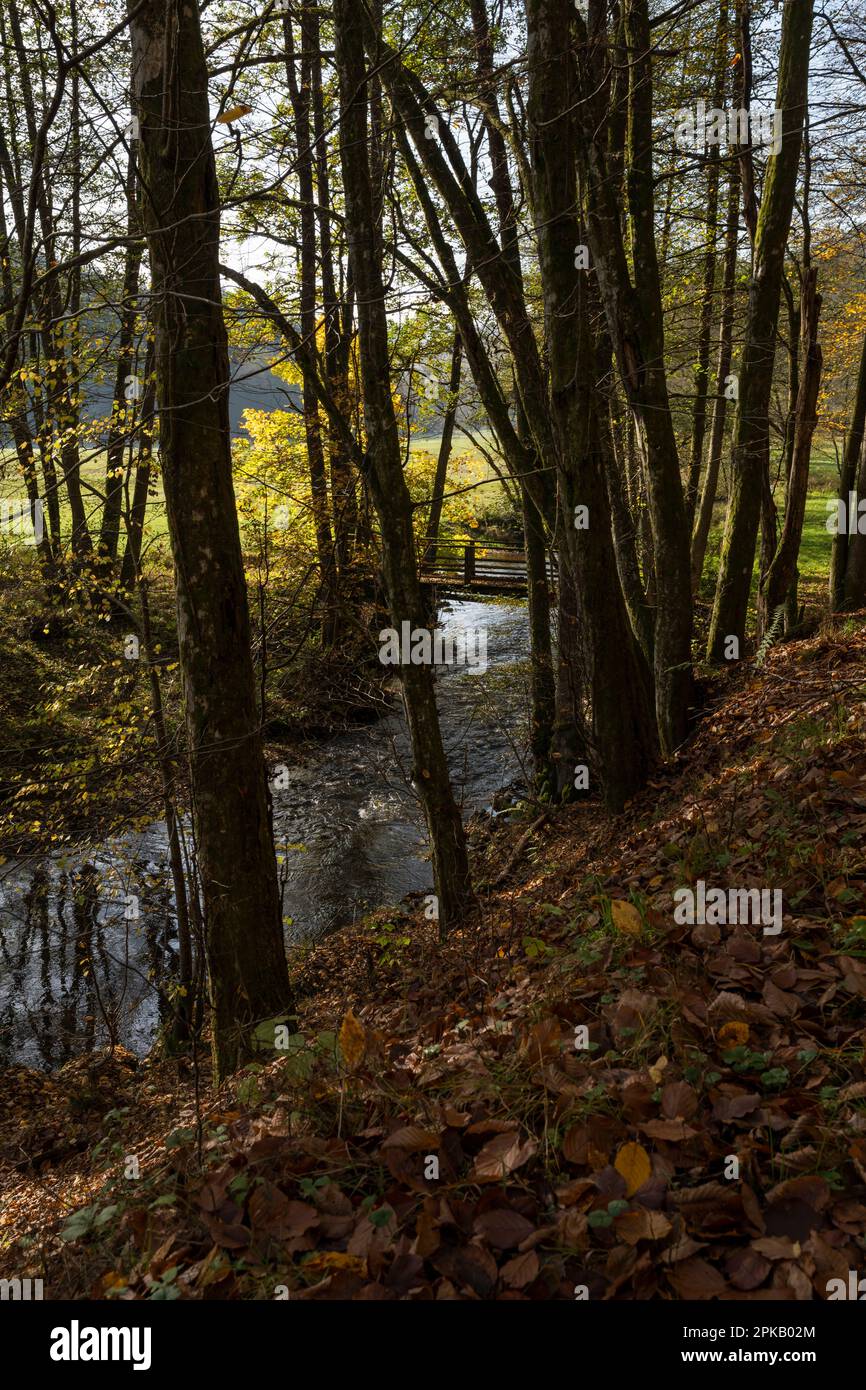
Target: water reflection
<point x="77" y="973"/>
<point x="79" y="968"/>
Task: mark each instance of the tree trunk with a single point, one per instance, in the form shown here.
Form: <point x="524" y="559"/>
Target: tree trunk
<point x="635" y="322"/>
<point x="854" y="595"/>
<point x="435" y="514"/>
<point x="705" y="323"/>
<point x="782" y="570"/>
<point x="135" y="508"/>
<point x="621" y="725"/>
<point x="15" y="413"/>
<point x="385" y="478"/>
<point x="180" y="208"/>
<point x="543" y="685"/>
<point x="300" y="92"/>
<point x="704" y="521"/>
<point x="61" y="374"/>
<point x="847" y="484"/>
<point x="125" y="402"/>
<point x="750" y="457"/>
<point x="338" y="320"/>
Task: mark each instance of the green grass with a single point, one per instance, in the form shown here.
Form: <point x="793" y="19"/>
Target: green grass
<point x="469" y="468"/>
<point x="484" y="495"/>
<point x="816" y="543"/>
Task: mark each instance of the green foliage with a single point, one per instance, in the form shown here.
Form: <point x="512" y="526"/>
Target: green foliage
<point x="393" y="941"/>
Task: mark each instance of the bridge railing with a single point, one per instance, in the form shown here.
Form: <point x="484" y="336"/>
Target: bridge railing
<point x="477" y="562"/>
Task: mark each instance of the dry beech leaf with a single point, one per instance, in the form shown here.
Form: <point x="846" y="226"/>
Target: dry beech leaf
<point x="633" y="1163"/>
<point x="501" y="1156"/>
<point x="504" y="1228"/>
<point x="695" y="1279"/>
<point x="657" y="1070"/>
<point x="733" y="1035"/>
<point x="520" y="1271"/>
<point x="671" y="1130"/>
<point x="625" y="917"/>
<point x="642" y="1224"/>
<point x="679" y="1101"/>
<point x="325" y="1260"/>
<point x="353" y="1041"/>
<point x="412" y="1139"/>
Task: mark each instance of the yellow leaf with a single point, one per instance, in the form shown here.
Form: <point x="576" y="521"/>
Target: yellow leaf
<point x="733" y="1034"/>
<point x="233" y="114"/>
<point x="625" y="917"/>
<point x="353" y="1040"/>
<point x="633" y="1162"/>
<point x="657" y="1069"/>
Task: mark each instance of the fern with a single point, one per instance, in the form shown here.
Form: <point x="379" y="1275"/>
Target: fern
<point x="769" y="638"/>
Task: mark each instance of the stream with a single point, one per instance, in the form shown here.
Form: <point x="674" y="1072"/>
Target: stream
<point x="87" y="939"/>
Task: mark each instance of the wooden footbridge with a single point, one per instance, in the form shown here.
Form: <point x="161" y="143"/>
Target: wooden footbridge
<point x="483" y="566"/>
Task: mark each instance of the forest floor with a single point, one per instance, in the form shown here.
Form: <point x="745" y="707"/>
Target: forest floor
<point x="434" y="1127"/>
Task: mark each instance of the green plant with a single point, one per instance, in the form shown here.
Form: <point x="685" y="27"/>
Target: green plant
<point x="164" y="1287"/>
<point x="86" y="1221"/>
<point x="536" y="949"/>
<point x="770" y="635"/>
<point x="602" y="1219"/>
<point x="392" y="941"/>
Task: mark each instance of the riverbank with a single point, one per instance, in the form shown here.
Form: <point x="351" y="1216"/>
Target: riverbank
<point x="77" y="749"/>
<point x="77" y="754"/>
<point x="348" y="829"/>
<point x="606" y="1166"/>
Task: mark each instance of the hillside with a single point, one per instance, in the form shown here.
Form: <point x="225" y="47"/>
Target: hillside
<point x="431" y="1130"/>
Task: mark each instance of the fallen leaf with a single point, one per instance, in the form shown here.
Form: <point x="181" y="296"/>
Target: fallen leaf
<point x="353" y="1041"/>
<point x="747" y="1269"/>
<point x="504" y="1228"/>
<point x="273" y="1214"/>
<point x="679" y="1101"/>
<point x="671" y="1130"/>
<point x="633" y="1226"/>
<point x="625" y="917"/>
<point x="657" y="1070"/>
<point x="520" y="1271"/>
<point x="501" y="1156"/>
<point x="334" y="1259"/>
<point x="633" y="1163"/>
<point x="412" y="1139"/>
<point x="696" y="1279"/>
<point x="733" y="1034"/>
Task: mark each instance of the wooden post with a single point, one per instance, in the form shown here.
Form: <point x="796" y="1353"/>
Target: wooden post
<point x="469" y="563"/>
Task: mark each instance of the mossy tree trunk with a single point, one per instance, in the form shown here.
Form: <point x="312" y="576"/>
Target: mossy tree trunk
<point x="387" y="485"/>
<point x="246" y="957"/>
<point x="621" y="725"/>
<point x="750" y="457"/>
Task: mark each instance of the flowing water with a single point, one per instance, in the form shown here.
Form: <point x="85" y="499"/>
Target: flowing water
<point x="88" y="943"/>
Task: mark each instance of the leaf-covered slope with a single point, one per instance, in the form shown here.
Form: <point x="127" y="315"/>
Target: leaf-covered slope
<point x="582" y="1097"/>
